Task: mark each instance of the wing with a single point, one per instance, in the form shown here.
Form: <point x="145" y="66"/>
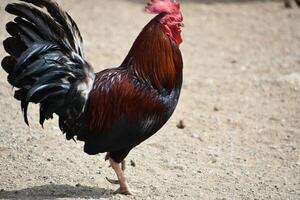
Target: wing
<point x="118" y="94"/>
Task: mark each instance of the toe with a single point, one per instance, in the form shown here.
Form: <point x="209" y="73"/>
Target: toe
<point x="112" y="181"/>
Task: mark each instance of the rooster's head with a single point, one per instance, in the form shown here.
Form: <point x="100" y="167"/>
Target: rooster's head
<point x="172" y="20"/>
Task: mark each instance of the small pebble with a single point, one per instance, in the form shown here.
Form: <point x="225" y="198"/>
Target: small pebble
<point x="216" y="109"/>
<point x="78" y="185"/>
<point x="196" y="136"/>
<point x="180" y="124"/>
<point x="50" y="159"/>
<point x="132" y="163"/>
<point x="274" y="119"/>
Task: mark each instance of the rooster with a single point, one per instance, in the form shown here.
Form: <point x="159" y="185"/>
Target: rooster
<point x="111" y="111"/>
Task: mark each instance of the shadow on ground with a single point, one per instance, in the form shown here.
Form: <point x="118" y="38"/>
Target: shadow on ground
<point x="53" y="191"/>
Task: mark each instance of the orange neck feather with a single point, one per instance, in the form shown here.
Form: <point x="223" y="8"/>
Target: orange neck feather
<point x="155" y="58"/>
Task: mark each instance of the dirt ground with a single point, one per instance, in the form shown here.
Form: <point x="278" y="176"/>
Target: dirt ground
<point x="240" y="105"/>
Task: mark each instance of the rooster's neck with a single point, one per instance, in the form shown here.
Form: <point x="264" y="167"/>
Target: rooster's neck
<point x="155" y="58"/>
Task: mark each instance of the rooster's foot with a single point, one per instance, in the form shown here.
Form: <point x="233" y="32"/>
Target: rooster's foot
<point x="123" y="190"/>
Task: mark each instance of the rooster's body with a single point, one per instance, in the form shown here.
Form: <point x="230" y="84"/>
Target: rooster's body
<point x="111" y="111"/>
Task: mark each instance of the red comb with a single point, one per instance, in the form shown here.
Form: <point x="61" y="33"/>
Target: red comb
<point x="160" y="6"/>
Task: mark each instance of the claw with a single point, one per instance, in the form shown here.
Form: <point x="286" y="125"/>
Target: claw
<point x="112" y="181"/>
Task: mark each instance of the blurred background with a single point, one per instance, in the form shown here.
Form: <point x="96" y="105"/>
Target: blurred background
<point x="235" y="133"/>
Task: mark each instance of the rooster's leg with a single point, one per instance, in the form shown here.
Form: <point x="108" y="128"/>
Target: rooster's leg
<point x="113" y="181"/>
<point x="121" y="178"/>
<point x="123" y="167"/>
<point x="123" y="163"/>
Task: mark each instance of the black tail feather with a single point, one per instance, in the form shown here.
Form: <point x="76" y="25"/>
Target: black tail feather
<point x="13" y="29"/>
<point x="24" y="107"/>
<point x="42" y="21"/>
<point x="32" y="71"/>
<point x="21" y="94"/>
<point x="8" y="64"/>
<point x="44" y="89"/>
<point x="14" y="46"/>
<point x="29" y="29"/>
<point x="50" y="107"/>
<point x="31" y="54"/>
<point x="45" y="62"/>
<point x="65" y="20"/>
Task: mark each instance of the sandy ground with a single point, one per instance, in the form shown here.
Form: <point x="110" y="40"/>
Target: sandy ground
<point x="240" y="105"/>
